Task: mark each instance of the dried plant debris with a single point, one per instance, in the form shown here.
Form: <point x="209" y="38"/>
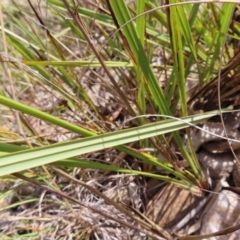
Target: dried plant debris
<point x="28" y="208"/>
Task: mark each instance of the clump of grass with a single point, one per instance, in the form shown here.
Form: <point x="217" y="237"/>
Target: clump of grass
<point x="83" y="75"/>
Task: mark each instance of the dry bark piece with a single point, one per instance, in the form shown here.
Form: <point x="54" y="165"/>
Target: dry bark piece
<point x="170" y="205"/>
<point x="236" y="174"/>
<point x="219" y="165"/>
<point x="224" y="213"/>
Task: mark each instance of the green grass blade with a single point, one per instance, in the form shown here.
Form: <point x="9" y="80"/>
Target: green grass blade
<point x="45" y="155"/>
<point x="219" y="37"/>
<point x="123" y="16"/>
<point x="82" y="163"/>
